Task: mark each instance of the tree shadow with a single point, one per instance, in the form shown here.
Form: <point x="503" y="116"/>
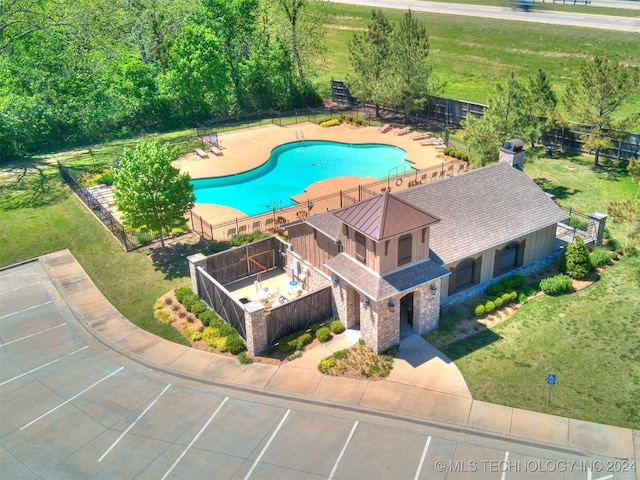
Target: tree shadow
<point x="558" y="191"/>
<point x="172" y="261"/>
<point x="30" y="184"/>
<point x="470" y="344"/>
<point x="612" y="170"/>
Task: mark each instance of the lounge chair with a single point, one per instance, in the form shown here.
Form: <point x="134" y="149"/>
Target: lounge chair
<point x="215" y="150"/>
<point x="420" y="135"/>
<point x="404" y="131"/>
<point x="201" y="153"/>
<point x="384" y="128"/>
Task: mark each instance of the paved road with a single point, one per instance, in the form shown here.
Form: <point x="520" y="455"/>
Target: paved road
<point x="505" y="13"/>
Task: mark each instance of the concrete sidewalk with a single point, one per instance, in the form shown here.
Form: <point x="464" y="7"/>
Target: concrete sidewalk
<point x="423" y="384"/>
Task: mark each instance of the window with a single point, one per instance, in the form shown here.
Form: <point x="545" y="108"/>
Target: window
<point x="465" y="275"/>
<point x="361" y="247"/>
<point x="404" y="249"/>
<point x="509" y="258"/>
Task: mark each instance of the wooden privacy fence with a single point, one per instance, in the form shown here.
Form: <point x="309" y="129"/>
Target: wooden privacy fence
<point x="247" y="260"/>
<point x="220" y="300"/>
<point x="298" y="314"/>
<point x="275" y="219"/>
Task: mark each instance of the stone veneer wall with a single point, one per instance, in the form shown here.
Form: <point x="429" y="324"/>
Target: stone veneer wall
<point x="479" y="290"/>
<point x="426" y="307"/>
<point x="384" y="325"/>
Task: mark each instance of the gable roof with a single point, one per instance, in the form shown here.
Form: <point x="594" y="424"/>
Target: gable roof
<point x="482" y="209"/>
<point x="384" y="216"/>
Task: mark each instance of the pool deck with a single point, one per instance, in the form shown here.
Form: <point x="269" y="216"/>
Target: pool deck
<point x="244" y="150"/>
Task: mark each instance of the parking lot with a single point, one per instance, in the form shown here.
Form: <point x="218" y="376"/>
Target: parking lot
<point x="73" y="408"/>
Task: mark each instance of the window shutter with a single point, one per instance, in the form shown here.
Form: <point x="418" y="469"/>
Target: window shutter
<point x="453" y="280"/>
<point x="498" y="263"/>
<point x="477" y="269"/>
<point x="520" y="253"/>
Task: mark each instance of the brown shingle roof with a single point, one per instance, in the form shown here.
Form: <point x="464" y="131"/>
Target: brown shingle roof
<point x="384" y="216"/>
<point x="378" y="288"/>
<point x="483" y="208"/>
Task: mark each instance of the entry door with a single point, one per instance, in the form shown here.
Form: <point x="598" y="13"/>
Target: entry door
<point x="406" y="308"/>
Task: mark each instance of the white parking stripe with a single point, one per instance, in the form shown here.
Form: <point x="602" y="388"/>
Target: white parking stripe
<point x="608" y="477"/>
<point x="26" y="309"/>
<point x="37" y="282"/>
<point x="424" y="455"/>
<point x="133" y="424"/>
<point x="273" y="435"/>
<point x="195" y="438"/>
<point x="505" y="467"/>
<point x="42" y="366"/>
<point x="344" y="449"/>
<point x="34" y="334"/>
<point x="70" y="400"/>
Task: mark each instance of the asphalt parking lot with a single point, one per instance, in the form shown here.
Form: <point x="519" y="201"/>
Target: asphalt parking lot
<point x="73" y="408"/>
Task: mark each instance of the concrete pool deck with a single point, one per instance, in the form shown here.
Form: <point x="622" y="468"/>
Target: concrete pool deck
<point x="244" y="150"/>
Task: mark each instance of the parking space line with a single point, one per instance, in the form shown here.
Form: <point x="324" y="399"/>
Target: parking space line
<point x="505" y="466"/>
<point x="195" y="438"/>
<point x="70" y="400"/>
<point x="26" y="309"/>
<point x="37" y="282"/>
<point x="42" y="366"/>
<point x="344" y="449"/>
<point x="424" y="455"/>
<point x="133" y="424"/>
<point x="273" y="435"/>
<point x="34" y="334"/>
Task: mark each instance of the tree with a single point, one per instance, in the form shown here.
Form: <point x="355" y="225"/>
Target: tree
<point x="599" y="89"/>
<point x="369" y="54"/>
<point x="506" y="117"/>
<point x="575" y="260"/>
<point x="541" y="102"/>
<point x="406" y="81"/>
<point x="151" y="193"/>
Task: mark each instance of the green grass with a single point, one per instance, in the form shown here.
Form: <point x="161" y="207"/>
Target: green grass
<point x="472" y="54"/>
<point x="589" y="338"/>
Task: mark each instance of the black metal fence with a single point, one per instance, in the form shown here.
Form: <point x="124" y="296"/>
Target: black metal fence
<point x="129" y="238"/>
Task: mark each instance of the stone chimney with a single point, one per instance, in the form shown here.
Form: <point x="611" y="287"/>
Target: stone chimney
<point x="513" y="153"/>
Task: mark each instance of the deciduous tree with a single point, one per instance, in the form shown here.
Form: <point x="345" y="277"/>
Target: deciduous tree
<point x="598" y="90"/>
<point x="151" y="193"/>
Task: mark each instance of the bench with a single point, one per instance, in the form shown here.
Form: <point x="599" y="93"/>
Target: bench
<point x="201" y="153"/>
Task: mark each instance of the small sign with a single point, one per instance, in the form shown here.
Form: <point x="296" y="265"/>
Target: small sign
<point x="551" y="378"/>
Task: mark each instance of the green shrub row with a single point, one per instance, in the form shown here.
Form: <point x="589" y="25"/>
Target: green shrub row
<point x="494" y="302"/>
<point x="244" y="238"/>
<point x="601" y="256"/>
<point x="218" y="333"/>
<point x="556" y="285"/>
<point x="294" y="341"/>
<point x="512" y="282"/>
<point x="451" y="152"/>
<point x="352" y="119"/>
<point x="322" y="332"/>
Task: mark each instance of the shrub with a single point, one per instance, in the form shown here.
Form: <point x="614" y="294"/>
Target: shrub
<point x="529" y="290"/>
<point x="327" y="364"/>
<point x="206" y="317"/>
<point x="235" y="344"/>
<point x="323" y="334"/>
<point x="522" y="298"/>
<point x="556" y="285"/>
<point x="181" y="292"/>
<point x="336" y="327"/>
<point x="163" y="316"/>
<point x="210" y="335"/>
<point x="489" y="306"/>
<point x="198" y="307"/>
<point x="513" y="282"/>
<point x="575" y="260"/>
<point x="190" y="332"/>
<point x="600" y="256"/>
<point x="330" y="123"/>
<point x="478" y="310"/>
<point x="358" y="120"/>
<point x="465" y="157"/>
<point x="290" y="342"/>
<point x="144" y="237"/>
<point x="578" y="223"/>
<point x="314" y="327"/>
<point x="494" y="289"/>
<point x="446" y="151"/>
<point x="508" y="297"/>
<point x="497" y="302"/>
<point x="244" y="359"/>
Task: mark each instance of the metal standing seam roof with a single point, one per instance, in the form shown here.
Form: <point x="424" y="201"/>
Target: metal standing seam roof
<point x="483" y="208"/>
<point x="384" y="216"/>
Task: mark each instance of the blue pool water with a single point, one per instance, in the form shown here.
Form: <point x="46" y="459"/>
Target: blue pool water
<point x="294" y="166"/>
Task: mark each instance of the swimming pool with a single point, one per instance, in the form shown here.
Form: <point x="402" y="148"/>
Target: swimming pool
<point x="294" y="166"/>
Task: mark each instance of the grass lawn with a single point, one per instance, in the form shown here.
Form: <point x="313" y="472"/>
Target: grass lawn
<point x="590" y="339"/>
<point x="471" y="54"/>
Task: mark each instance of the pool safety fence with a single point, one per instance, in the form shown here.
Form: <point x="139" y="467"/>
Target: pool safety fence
<point x="275" y="220"/>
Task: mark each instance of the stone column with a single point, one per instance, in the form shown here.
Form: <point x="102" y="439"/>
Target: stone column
<point x="255" y="327"/>
<point x="426" y="314"/>
<point x="195" y="261"/>
<point x="597" y="222"/>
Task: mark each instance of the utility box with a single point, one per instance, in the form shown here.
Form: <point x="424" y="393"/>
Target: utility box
<point x="512" y="152"/>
